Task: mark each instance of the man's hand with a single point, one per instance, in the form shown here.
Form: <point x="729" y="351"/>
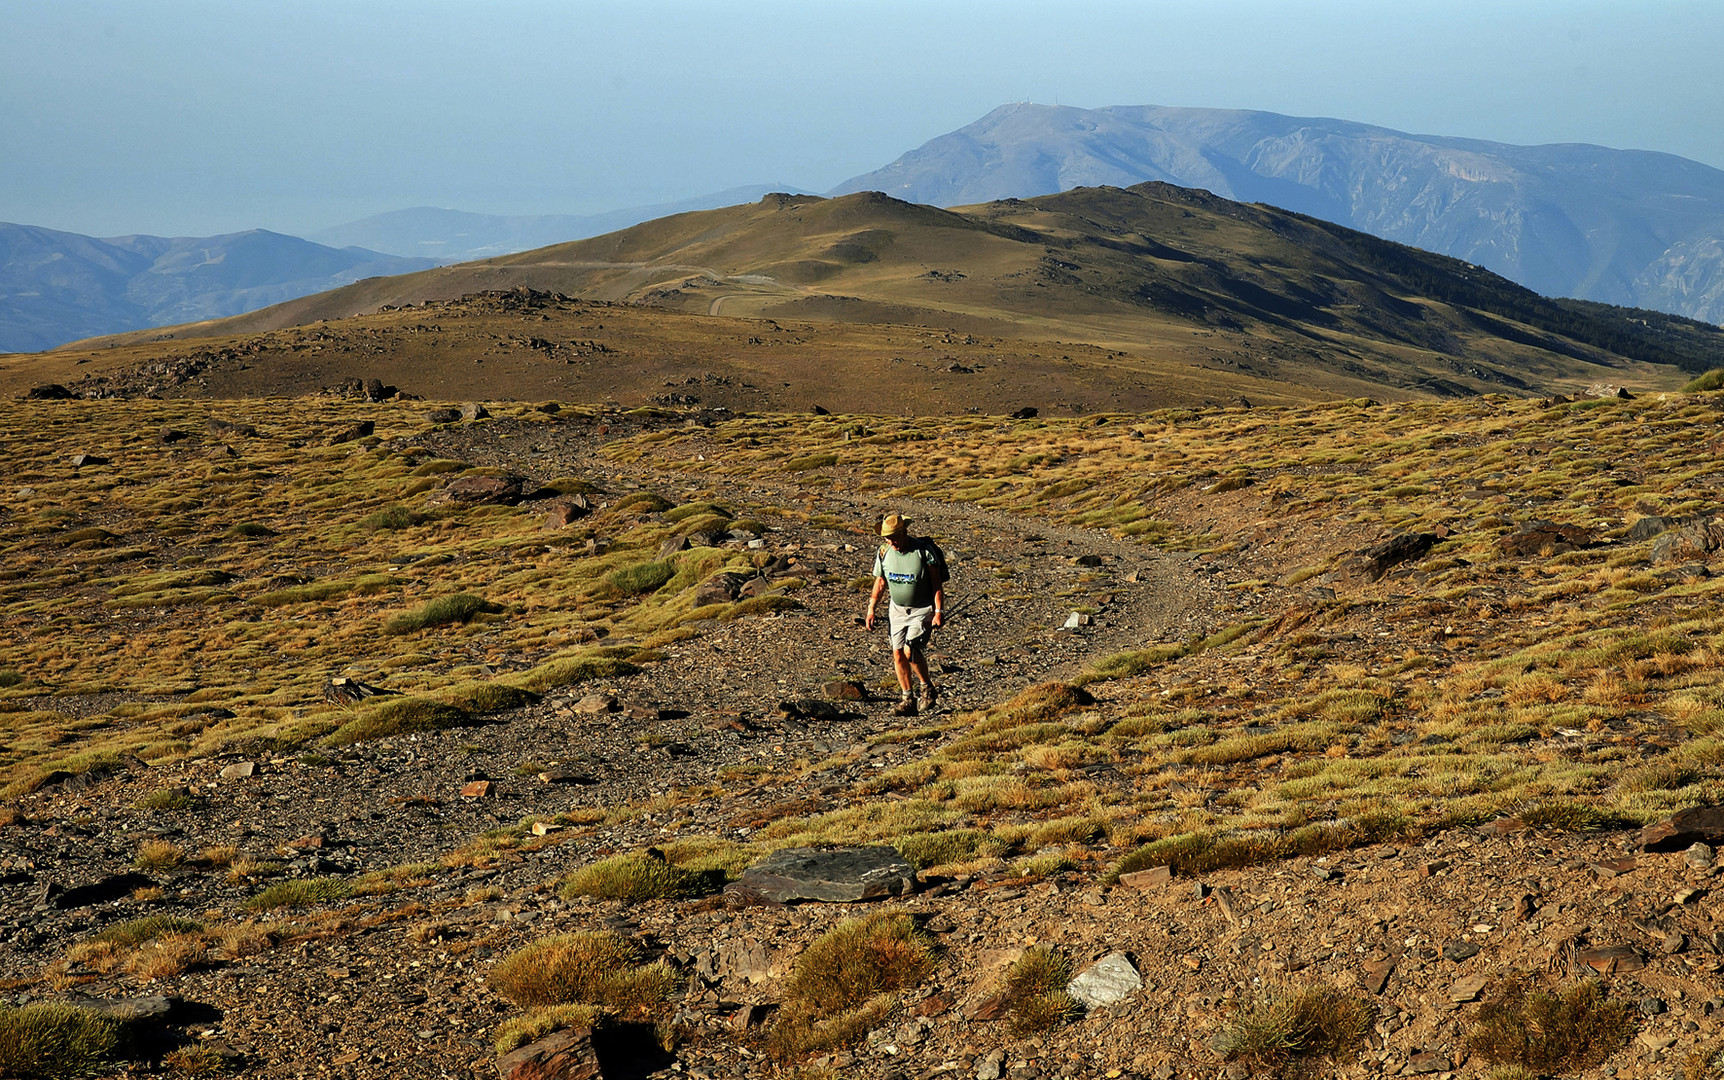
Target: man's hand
<point x="936" y="616"/>
<point x="869" y="621"/>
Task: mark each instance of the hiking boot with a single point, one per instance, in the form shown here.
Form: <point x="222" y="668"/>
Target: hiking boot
<point x="905" y="707"/>
<point x="929" y="695"/>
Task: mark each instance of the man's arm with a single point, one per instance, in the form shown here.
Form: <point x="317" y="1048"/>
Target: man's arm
<point x="874" y="599"/>
<point x="939" y="602"/>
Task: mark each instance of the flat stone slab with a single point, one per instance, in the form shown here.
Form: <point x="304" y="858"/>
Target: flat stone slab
<point x="129" y="1010"/>
<point x="1699" y="825"/>
<point x="1111" y="979"/>
<point x="835" y="875"/>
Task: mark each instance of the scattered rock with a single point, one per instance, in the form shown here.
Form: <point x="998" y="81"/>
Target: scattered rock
<point x="130" y="1010"/>
<point x="354" y="431"/>
<point x="79" y="461"/>
<point x="375" y="391"/>
<point x="1376" y="975"/>
<point x="442" y="416"/>
<point x="1608" y="390"/>
<point x="239" y="770"/>
<point x="840" y="875"/>
<point x="1468" y="989"/>
<point x="1111" y="979"/>
<point x="844" y="690"/>
<point x="1699" y="856"/>
<point x="1375" y="561"/>
<point x="593" y="704"/>
<point x="485" y="490"/>
<point x="810" y="709"/>
<point x="562" y="1055"/>
<point x="476" y="789"/>
<point x="1427" y="1062"/>
<point x="720" y="588"/>
<point x="1154" y="877"/>
<point x="1612" y="959"/>
<point x="564" y="513"/>
<point x="1694" y="540"/>
<point x="1702" y="825"/>
<point x="472" y="410"/>
<point x="1458" y="951"/>
<point x="1540" y="537"/>
<point x="1077" y="619"/>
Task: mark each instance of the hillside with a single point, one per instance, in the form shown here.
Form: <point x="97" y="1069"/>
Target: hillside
<point x="1200" y="716"/>
<point x="1157" y="278"/>
<point x="57" y="286"/>
<point x="1622" y="227"/>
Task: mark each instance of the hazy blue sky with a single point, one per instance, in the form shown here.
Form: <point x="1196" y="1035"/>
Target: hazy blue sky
<point x="190" y="117"/>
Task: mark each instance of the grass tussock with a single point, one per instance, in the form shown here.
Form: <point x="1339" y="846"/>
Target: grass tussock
<point x="1035" y="992"/>
<point x="1574" y="1028"/>
<point x="1286" y="1034"/>
<point x="586" y="968"/>
<point x="51" y="1041"/>
<point x="846" y="982"/>
<point x="530" y="1027"/>
<point x="400" y="716"/>
<point x="299" y="894"/>
<point x="645" y="876"/>
<point x="443" y="611"/>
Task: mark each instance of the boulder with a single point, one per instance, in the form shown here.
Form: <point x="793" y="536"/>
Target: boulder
<point x="472" y="410"/>
<point x="442" y="416"/>
<point x="1028" y="412"/>
<point x="1111" y="979"/>
<point x="720" y="588"/>
<point x="81" y="460"/>
<point x="483" y="490"/>
<point x="1547" y="538"/>
<point x="239" y="770"/>
<point x="374" y="390"/>
<point x="1681" y="831"/>
<point x="351" y="433"/>
<point x="1693" y="540"/>
<point x="810" y="709"/>
<point x="835" y="875"/>
<point x="844" y="690"/>
<point x="49" y="392"/>
<point x="561" y="1055"/>
<point x="1647" y="527"/>
<point x="130" y="1010"/>
<point x="1379" y="559"/>
<point x="563" y="513"/>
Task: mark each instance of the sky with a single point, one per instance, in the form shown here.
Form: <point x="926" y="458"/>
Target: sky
<point x="199" y="117"/>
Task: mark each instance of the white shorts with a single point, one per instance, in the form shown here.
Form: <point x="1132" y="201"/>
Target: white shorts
<point x="911" y="626"/>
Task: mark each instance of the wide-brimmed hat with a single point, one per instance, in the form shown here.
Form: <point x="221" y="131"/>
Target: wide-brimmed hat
<point x="894" y="525"/>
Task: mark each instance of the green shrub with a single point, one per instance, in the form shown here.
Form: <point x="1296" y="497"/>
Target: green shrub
<point x="643" y="577"/>
<point x="398" y="716"/>
<point x="459" y="608"/>
<point x="298" y="894"/>
<point x="484" y="698"/>
<point x="930" y="849"/>
<point x="391" y="517"/>
<point x="694" y="509"/>
<point x="642" y="502"/>
<point x="810" y="461"/>
<point x="638" y="877"/>
<point x="518" y="1031"/>
<point x="1712" y="380"/>
<point x="138" y="931"/>
<point x="48" y="1041"/>
<point x="1273" y="1033"/>
<point x="568" y="670"/>
<point x="1568" y="1031"/>
<point x="9" y="679"/>
<point x="167" y="799"/>
<point x="250" y="530"/>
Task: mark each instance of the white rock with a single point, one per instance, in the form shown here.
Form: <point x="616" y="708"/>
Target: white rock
<point x="1112" y="978"/>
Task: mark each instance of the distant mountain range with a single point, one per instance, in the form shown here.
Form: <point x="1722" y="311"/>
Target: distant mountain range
<point x="1617" y="226"/>
<point x="58" y="286"/>
<point x="456" y="236"/>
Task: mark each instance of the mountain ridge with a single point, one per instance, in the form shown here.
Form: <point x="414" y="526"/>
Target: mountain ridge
<point x="1625" y="227"/>
<point x="57" y="286"/>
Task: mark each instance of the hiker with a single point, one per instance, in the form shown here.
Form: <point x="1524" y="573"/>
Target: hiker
<point x="913" y="570"/>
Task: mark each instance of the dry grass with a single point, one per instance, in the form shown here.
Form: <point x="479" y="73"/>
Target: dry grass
<point x="1285" y="1034"/>
<point x="51" y="1041"/>
<point x="595" y="969"/>
<point x="1035" y="992"/>
<point x="646" y="876"/>
<point x="845" y="983"/>
<point x="1573" y="1028"/>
